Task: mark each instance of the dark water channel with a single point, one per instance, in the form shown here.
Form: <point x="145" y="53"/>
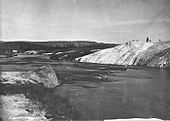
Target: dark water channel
<point x="109" y="92"/>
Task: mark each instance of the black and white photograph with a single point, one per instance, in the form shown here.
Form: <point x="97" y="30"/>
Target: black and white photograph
<point x="84" y="60"/>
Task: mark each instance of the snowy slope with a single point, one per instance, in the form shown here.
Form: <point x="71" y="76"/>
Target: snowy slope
<point x="161" y="59"/>
<point x="132" y="53"/>
<point x="135" y="119"/>
<point x="124" y="54"/>
<point x="155" y="50"/>
<point x="19" y="108"/>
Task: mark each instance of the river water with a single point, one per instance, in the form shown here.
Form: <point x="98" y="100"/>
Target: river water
<point x="97" y="91"/>
<point x="109" y="92"/>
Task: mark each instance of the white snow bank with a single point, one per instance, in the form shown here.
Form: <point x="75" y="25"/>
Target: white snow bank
<point x="151" y="51"/>
<point x="59" y="53"/>
<point x="135" y="119"/>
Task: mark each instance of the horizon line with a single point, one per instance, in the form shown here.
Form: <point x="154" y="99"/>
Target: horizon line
<point x="52" y="40"/>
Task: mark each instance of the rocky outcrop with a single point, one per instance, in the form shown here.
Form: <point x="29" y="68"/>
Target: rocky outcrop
<point x="133" y="53"/>
<point x="45" y="75"/>
<point x="148" y="55"/>
<point x="23" y="94"/>
<point x="161" y="59"/>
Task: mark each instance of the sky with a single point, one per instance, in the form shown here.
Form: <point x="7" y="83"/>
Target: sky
<point x="113" y="21"/>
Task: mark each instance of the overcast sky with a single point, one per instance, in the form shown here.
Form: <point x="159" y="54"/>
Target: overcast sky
<point x="100" y="20"/>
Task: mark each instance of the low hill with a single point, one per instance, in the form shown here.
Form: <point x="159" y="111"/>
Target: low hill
<point x="8" y="47"/>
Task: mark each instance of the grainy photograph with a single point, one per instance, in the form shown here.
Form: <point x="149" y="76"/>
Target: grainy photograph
<point x="90" y="60"/>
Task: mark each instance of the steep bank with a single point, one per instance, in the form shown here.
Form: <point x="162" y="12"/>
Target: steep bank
<point x="153" y="54"/>
<point x="132" y="53"/>
<point x="124" y="54"/>
<point x="161" y="59"/>
<point x="31" y="96"/>
<point x="18" y="108"/>
<point x="21" y="93"/>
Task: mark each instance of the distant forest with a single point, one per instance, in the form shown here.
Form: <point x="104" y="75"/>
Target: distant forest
<point x="8" y="47"/>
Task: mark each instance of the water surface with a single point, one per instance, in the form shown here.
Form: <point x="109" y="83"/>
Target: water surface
<point x="98" y="91"/>
<point x="110" y="92"/>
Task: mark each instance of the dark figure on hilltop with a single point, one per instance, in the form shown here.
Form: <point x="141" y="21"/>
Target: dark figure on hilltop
<point x="159" y="40"/>
<point x="147" y="39"/>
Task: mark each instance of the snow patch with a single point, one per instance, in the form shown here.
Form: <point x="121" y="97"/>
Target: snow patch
<point x="135" y="119"/>
<point x="59" y="53"/>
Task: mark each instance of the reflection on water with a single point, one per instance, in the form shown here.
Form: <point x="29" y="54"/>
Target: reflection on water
<point x="120" y="94"/>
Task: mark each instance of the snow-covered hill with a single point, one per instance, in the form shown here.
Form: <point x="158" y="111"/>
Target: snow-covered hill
<point x="130" y="53"/>
<point x="124" y="54"/>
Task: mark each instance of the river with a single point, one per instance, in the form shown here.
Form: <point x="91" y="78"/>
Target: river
<point x="98" y="91"/>
<point x="110" y="92"/>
